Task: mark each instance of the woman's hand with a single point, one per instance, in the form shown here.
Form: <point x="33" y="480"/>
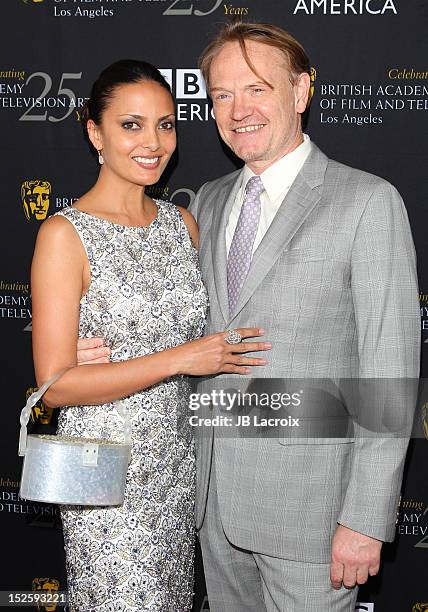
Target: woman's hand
<point x="213" y="355"/>
<point x="92" y="350"/>
<point x="207" y="355"/>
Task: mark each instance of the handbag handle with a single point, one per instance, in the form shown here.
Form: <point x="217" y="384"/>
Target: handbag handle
<point x="34" y="398"/>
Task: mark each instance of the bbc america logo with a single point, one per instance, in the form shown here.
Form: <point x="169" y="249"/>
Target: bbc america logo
<point x="188" y="84"/>
<point x="185" y="82"/>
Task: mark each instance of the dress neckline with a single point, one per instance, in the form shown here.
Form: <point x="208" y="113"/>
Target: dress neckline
<point x="135" y="227"/>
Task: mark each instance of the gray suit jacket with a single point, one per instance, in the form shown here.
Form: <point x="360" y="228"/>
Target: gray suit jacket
<point x="334" y="285"/>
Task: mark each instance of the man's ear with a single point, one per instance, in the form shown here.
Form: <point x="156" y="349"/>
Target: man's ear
<point x="301" y="91"/>
<point x="94" y="134"/>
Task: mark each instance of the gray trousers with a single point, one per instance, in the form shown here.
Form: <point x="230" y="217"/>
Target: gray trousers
<point x="243" y="581"/>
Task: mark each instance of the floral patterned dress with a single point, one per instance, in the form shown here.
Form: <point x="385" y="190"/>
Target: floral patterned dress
<point x="146" y="295"/>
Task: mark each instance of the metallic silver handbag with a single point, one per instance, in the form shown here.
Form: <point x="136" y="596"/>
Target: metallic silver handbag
<point x="67" y="470"/>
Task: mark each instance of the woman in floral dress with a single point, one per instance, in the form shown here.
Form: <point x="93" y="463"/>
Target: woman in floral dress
<point x="122" y="266"/>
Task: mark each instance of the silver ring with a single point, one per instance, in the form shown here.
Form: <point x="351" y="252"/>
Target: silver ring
<point x="233" y="337"/>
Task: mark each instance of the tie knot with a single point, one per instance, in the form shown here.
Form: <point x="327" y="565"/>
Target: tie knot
<point x="254" y="187"/>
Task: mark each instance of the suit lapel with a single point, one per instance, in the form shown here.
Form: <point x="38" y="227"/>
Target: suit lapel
<point x="302" y="197"/>
<point x="225" y="198"/>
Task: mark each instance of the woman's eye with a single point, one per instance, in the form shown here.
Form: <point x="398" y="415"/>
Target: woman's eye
<point x="130" y="125"/>
<point x="167" y="125"/>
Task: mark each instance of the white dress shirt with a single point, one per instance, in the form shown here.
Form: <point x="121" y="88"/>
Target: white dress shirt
<point x="277" y="180"/>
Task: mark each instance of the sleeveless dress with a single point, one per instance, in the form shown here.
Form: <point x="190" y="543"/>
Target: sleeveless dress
<point x="146" y="295"/>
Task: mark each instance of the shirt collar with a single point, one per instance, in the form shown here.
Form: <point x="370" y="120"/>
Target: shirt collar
<point x="281" y="174"/>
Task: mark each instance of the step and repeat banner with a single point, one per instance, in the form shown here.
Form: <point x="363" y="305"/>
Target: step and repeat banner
<point x="369" y="110"/>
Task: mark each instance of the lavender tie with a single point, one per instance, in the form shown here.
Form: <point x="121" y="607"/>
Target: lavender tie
<point x="240" y="253"/>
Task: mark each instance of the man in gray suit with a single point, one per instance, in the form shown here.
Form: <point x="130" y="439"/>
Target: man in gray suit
<point x="320" y="255"/>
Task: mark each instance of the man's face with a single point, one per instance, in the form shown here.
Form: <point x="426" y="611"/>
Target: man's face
<point x="36" y="201"/>
<point x="259" y="123"/>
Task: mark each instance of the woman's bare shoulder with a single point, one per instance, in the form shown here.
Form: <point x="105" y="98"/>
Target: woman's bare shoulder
<point x="191" y="225"/>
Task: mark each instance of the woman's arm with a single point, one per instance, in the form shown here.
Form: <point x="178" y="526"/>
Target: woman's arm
<point x="58" y="281"/>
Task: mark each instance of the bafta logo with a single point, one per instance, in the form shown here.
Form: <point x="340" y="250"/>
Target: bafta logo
<point x="35" y="196"/>
<point x="424" y="417"/>
<point x="312" y="87"/>
<point x="39" y="413"/>
<point x="32" y="1"/>
<point x="420" y="607"/>
<point x="46" y="585"/>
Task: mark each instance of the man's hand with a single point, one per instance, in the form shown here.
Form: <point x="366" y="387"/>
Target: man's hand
<point x="92" y="350"/>
<point x="354" y="557"/>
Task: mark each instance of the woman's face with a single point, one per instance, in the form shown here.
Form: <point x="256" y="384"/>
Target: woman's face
<point x="137" y="132"/>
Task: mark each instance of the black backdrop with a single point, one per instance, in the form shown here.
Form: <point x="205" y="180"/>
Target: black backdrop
<point x="368" y="110"/>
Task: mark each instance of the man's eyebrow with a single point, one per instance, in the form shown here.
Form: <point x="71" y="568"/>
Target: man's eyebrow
<point x="252" y="84"/>
<point x="260" y="82"/>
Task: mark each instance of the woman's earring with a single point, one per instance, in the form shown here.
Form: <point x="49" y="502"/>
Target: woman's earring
<point x="100" y="158"/>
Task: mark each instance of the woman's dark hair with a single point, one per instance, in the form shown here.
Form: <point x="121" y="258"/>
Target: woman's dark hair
<point x="120" y="73"/>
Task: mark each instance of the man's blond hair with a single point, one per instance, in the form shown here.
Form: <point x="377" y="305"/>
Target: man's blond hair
<point x="295" y="55"/>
